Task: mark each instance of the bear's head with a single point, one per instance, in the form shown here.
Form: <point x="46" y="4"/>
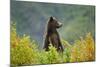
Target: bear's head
<point x="53" y="23"/>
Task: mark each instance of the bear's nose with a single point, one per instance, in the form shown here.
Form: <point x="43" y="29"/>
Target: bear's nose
<point x="59" y="25"/>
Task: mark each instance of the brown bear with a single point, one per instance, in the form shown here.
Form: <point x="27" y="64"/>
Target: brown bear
<point x="52" y="35"/>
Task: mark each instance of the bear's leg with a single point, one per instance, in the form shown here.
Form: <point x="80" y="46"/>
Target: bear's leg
<point x="46" y="43"/>
<point x="60" y="47"/>
<point x="55" y="41"/>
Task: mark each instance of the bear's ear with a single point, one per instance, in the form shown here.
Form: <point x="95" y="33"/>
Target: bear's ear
<point x="51" y="18"/>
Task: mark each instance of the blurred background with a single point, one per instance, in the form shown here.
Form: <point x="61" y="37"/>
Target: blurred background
<point x="31" y="19"/>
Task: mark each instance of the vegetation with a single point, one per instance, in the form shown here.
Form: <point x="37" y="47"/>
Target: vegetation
<point x="24" y="51"/>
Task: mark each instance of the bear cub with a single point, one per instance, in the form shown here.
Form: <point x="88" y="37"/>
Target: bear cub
<point x="52" y="36"/>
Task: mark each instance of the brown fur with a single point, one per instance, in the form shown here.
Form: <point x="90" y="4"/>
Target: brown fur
<point x="52" y="35"/>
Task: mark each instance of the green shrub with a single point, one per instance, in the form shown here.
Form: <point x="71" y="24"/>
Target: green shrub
<point x="24" y="51"/>
<point x="83" y="49"/>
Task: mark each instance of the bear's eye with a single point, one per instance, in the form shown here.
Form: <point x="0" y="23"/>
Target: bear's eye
<point x="56" y="22"/>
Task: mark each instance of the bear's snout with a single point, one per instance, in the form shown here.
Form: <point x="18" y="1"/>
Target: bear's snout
<point x="59" y="25"/>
